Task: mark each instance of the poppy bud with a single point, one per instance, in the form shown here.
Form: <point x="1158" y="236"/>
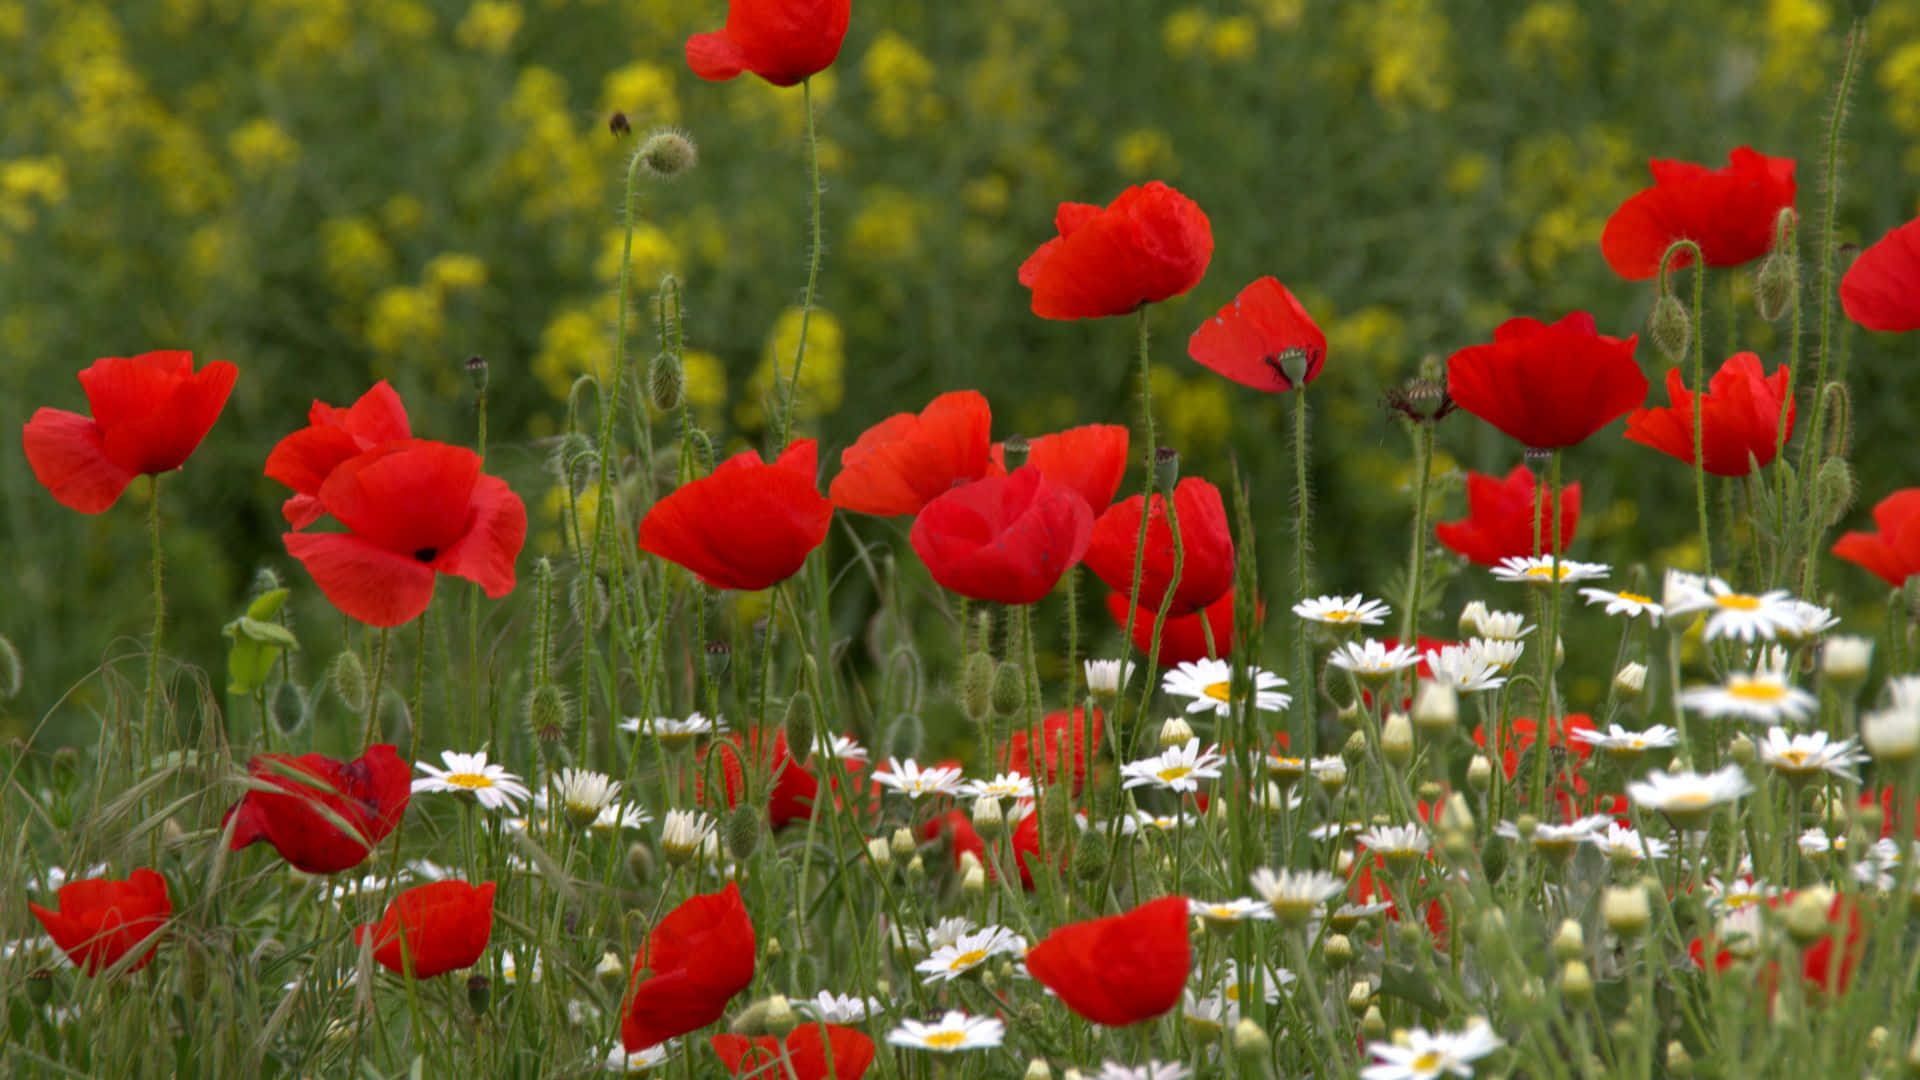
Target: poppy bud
<point x="743" y="830"/>
<point x="619" y="124"/>
<point x="976" y="686"/>
<point x="666" y="380"/>
<point x="348" y="677"/>
<point x="288" y="707"/>
<point x="12" y="673"/>
<point x="1014" y="451"/>
<point x="905" y="736"/>
<point x="477" y="372"/>
<point x="479" y="994"/>
<point x="1166" y="468"/>
<point x="1834" y="488"/>
<point x="1776" y="284"/>
<point x="548" y="717"/>
<point x="639" y="863"/>
<point x="1009" y="689"/>
<point x="1090" y="860"/>
<point x="799" y="727"/>
<point x="719" y="656"/>
<point x="1670" y="327"/>
<point x="39" y="987"/>
<point x="667" y="153"/>
<point x="1056" y="811"/>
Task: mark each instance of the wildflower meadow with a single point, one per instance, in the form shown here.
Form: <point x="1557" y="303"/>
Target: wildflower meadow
<point x="1403" y="564"/>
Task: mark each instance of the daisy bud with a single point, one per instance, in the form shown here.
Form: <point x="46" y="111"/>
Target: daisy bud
<point x="1166" y="468"/>
<point x="1877" y="1039"/>
<point x="639" y="863"/>
<point x="1526" y="825"/>
<point x="1844" y="660"/>
<point x="1009" y="689"/>
<point x="1892" y="736"/>
<point x="743" y="831"/>
<point x="1396" y="740"/>
<point x="903" y="842"/>
<point x="1360" y="997"/>
<point x="479" y="994"/>
<point x="799" y="728"/>
<point x="779" y="1017"/>
<point x="667" y="154"/>
<point x="880" y="853"/>
<point x="1373" y="1025"/>
<point x="1807" y="916"/>
<point x="1343" y="862"/>
<point x="1568" y="942"/>
<point x="1630" y="681"/>
<point x="666" y="380"/>
<point x="1350" y="715"/>
<point x="1576" y="982"/>
<point x="1456" y="814"/>
<point x="1741" y="750"/>
<point x="348" y="676"/>
<point x="1679" y="1062"/>
<point x="1355" y="750"/>
<point x="976" y="686"/>
<point x="1457" y="844"/>
<point x="610" y="970"/>
<point x="1670" y="327"/>
<point x="917" y="869"/>
<point x="1470" y="618"/>
<point x="1175" y="732"/>
<point x="1479" y="773"/>
<point x="1625" y="911"/>
<point x="1338" y="951"/>
<point x="974" y="881"/>
<point x="1037" y="1069"/>
<point x="1250" y="1042"/>
<point x="1436" y="709"/>
<point x="988" y="821"/>
<point x="1013" y="452"/>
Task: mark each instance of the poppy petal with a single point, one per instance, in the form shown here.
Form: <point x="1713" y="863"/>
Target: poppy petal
<point x="364" y="580"/>
<point x="486" y="552"/>
<point x="70" y="460"/>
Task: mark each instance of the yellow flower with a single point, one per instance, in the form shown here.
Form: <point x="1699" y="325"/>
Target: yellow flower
<point x="404" y="320"/>
<point x="1282" y="14"/>
<point x="1405" y="43"/>
<point x="1900" y="77"/>
<point x="555" y="170"/>
<point x="13" y="21"/>
<point x="1796" y="44"/>
<point x="654" y="254"/>
<point x="403" y="213"/>
<point x="902" y="80"/>
<point x="455" y="272"/>
<point x="354" y="256"/>
<point x="1183" y="30"/>
<point x="211" y="253"/>
<point x="887" y="228"/>
<point x="1145" y="152"/>
<point x="706" y="380"/>
<point x="184" y="172"/>
<point x="403" y="20"/>
<point x="1550" y="34"/>
<point x="490" y="26"/>
<point x="574" y="342"/>
<point x="644" y="92"/>
<point x="1233" y="39"/>
<point x="988" y="195"/>
<point x="820" y="390"/>
<point x="565" y="516"/>
<point x="1467" y="172"/>
<point x="39" y="179"/>
<point x="261" y="146"/>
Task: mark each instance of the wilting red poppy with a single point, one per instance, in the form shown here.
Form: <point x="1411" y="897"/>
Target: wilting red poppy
<point x="432" y="929"/>
<point x="782" y="41"/>
<point x="1881" y="290"/>
<point x="297" y="801"/>
<point x="1184" y="638"/>
<point x="1893" y="553"/>
<point x="1500" y="517"/>
<point x="100" y="920"/>
<point x="1205" y="574"/>
<point x="1067" y="735"/>
<point x="1090" y="459"/>
<point x="1149" y="244"/>
<point x="1121" y="969"/>
<point x="413" y="510"/>
<point x="696" y="960"/>
<point x="1549" y="386"/>
<point x="1256" y="339"/>
<point x="906" y="461"/>
<point x="806" y="1054"/>
<point x="1005" y="538"/>
<point x="332" y="437"/>
<point x="1740" y="417"/>
<point x="1820" y="968"/>
<point x="1729" y="212"/>
<point x="747" y="525"/>
<point x="794" y="786"/>
<point x="149" y="413"/>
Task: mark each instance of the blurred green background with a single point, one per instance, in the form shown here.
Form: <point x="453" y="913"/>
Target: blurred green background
<point x="330" y="191"/>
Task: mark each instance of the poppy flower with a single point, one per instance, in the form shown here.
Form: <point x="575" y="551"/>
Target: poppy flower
<point x="101" y="920"/>
<point x="149" y="414"/>
<point x="794" y="787"/>
<point x="806" y="1054"/>
<point x="782" y="41"/>
<point x="906" y="461"/>
<point x="1207" y="570"/>
<point x="1549" y="386"/>
<point x="1150" y="243"/>
<point x="1255" y="339"/>
<point x="1121" y="969"/>
<point x="296" y="805"/>
<point x="1893" y="553"/>
<point x="1182" y="639"/>
<point x="1090" y="459"/>
<point x="1371" y="885"/>
<point x="1740" y="416"/>
<point x="1005" y="538"/>
<point x="1820" y="968"/>
<point x="332" y="437"/>
<point x="963" y="838"/>
<point x="1500" y="517"/>
<point x="1729" y="212"/>
<point x="747" y="525"/>
<point x="432" y="929"/>
<point x="698" y="957"/>
<point x="413" y="510"/>
<point x="1881" y="290"/>
<point x="1079" y="731"/>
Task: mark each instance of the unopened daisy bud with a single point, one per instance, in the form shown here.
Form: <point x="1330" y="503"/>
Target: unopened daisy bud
<point x="903" y="842"/>
<point x="611" y="970"/>
<point x="1669" y="326"/>
<point x="1338" y="951"/>
<point x="1892" y="736"/>
<point x="1037" y="1069"/>
<point x="1436" y="709"/>
<point x="1396" y="740"/>
<point x="1913" y="1053"/>
<point x="1576" y="982"/>
<point x="1373" y="1025"/>
<point x="1679" y="1062"/>
<point x="988" y="820"/>
<point x="1343" y="861"/>
<point x="743" y="831"/>
<point x="974" y="881"/>
<point x="1568" y="942"/>
<point x="1742" y="750"/>
<point x="1456" y="844"/>
<point x="666" y="380"/>
<point x="639" y="863"/>
<point x="1526" y="825"/>
<point x="880" y="853"/>
<point x="779" y="1017"/>
<point x="479" y="994"/>
<point x="916" y="869"/>
<point x="1009" y="689"/>
<point x="1166" y="468"/>
<point x="348" y="676"/>
<point x="1330" y="773"/>
<point x="1175" y="732"/>
<point x="1456" y="813"/>
<point x="1877" y="1039"/>
<point x="667" y="154"/>
<point x="1631" y="680"/>
<point x="1845" y="658"/>
<point x="1470" y="619"/>
<point x="1479" y="773"/>
<point x="1360" y="997"/>
<point x="1807" y="915"/>
<point x="1355" y="749"/>
<point x="1251" y="1042"/>
<point x="1625" y="910"/>
<point x="1350" y="715"/>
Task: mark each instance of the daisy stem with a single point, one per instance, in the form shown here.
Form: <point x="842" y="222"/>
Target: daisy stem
<point x="1146" y="497"/>
<point x="792" y="383"/>
<point x="152" y="697"/>
<point x="1303" y="700"/>
<point x="1550" y="635"/>
<point x="1423" y="462"/>
<point x="379" y="677"/>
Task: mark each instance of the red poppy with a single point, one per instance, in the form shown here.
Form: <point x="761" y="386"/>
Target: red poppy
<point x="1205" y="575"/>
<point x="697" y="959"/>
<point x="1881" y="290"/>
<point x="1184" y="638"/>
<point x="332" y="437"/>
<point x="1549" y="386"/>
<point x="100" y="920"/>
<point x="1250" y="340"/>
<point x="1026" y="850"/>
<point x="1090" y="459"/>
<point x="1005" y="538"/>
<point x="1729" y="212"/>
<point x="747" y="525"/>
<point x="432" y="929"/>
<point x="1371" y="885"/>
<point x="1820" y="968"/>
<point x="1121" y="969"/>
<point x="795" y="788"/>
<point x="149" y="414"/>
<point x="964" y="839"/>
<point x="806" y="1054"/>
<point x="1070" y="727"/>
<point x="298" y="804"/>
<point x="1893" y="553"/>
<point x="413" y="510"/>
<point x="1740" y="415"/>
<point x="1500" y="517"/>
<point x="782" y="41"/>
<point x="906" y="461"/>
<point x="1149" y="244"/>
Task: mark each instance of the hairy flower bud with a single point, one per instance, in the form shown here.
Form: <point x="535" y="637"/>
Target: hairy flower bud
<point x="1670" y="327"/>
<point x="667" y="153"/>
<point x="1009" y="689"/>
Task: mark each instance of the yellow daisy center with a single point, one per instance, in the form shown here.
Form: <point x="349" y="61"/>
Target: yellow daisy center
<point x="1339" y="615"/>
<point x="1635" y="597"/>
<point x="945" y="1040"/>
<point x="1427" y="1062"/>
<point x="1689" y="800"/>
<point x="1233" y="991"/>
<point x="1173" y="772"/>
<point x="1793" y="759"/>
<point x="1221" y="911"/>
<point x="1216" y="691"/>
<point x="1636" y="743"/>
<point x="470" y="780"/>
<point x="1738" y="601"/>
<point x="1545" y="570"/>
<point x="967" y="959"/>
<point x="1757" y="691"/>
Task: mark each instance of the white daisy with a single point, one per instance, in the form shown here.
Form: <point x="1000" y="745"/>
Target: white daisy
<point x="1763" y="695"/>
<point x="428" y="870"/>
<point x="1152" y="1070"/>
<point x="1355" y="610"/>
<point x="1371" y="659"/>
<point x="1285" y="767"/>
<point x="846" y="749"/>
<point x="1688" y="797"/>
<point x="1427" y="1056"/>
<point x="1815" y="841"/>
<point x="839" y="1008"/>
<point x="951" y="1033"/>
<point x="584" y="795"/>
<point x="1396" y="841"/>
<point x="1455" y="666"/>
<point x="1296" y="894"/>
<point x="1800" y="757"/>
<point x="1740" y="893"/>
<point x="1328" y="771"/>
<point x="1239" y="986"/>
<point x="618" y="1060"/>
<point x="1746" y="616"/>
<point x="1805" y="621"/>
<point x="909" y="779"/>
<point x="1891" y="734"/>
<point x="949" y="962"/>
<point x="492" y="785"/>
<point x="947" y="931"/>
<point x="1239" y="909"/>
<point x="1619" y="740"/>
<point x="1177" y="768"/>
<point x="1329" y="830"/>
<point x="1166" y="823"/>
<point x="1628" y="845"/>
<point x="1477" y="620"/>
<point x="674" y="732"/>
<point x="1003" y="786"/>
<point x="1631" y="604"/>
<point x="1499" y="654"/>
<point x="1540" y="570"/>
<point x="1107" y="677"/>
<point x="621" y="816"/>
<point x="511" y="971"/>
<point x="1206" y="683"/>
<point x="684" y="833"/>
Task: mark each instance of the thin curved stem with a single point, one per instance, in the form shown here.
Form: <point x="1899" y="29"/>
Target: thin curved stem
<point x="152" y="697"/>
<point x="792" y="384"/>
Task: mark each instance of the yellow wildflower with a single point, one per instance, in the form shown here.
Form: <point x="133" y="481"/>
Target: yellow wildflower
<point x="654" y="254"/>
<point x="354" y="256"/>
<point x="404" y="320"/>
<point x="821" y="387"/>
<point x="1183" y="31"/>
<point x="455" y="272"/>
<point x="644" y="92"/>
<point x="260" y="146"/>
<point x="1233" y="39"/>
<point x="574" y="343"/>
<point x="490" y="26"/>
<point x="1145" y="152"/>
<point x="887" y="226"/>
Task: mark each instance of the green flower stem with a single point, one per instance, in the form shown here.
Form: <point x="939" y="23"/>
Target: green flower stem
<point x="1303" y="699"/>
<point x="1698" y="352"/>
<point x="1417" y="558"/>
<point x="151" y="702"/>
<point x="1543" y="736"/>
<point x="373" y="699"/>
<point x="1146" y="496"/>
<point x="792" y="383"/>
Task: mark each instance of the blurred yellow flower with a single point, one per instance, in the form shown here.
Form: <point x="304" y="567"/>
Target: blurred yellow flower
<point x="315" y="32"/>
<point x="1233" y="39"/>
<point x="887" y="227"/>
<point x="490" y="26"/>
<point x="13" y="20"/>
<point x="902" y="81"/>
<point x="1374" y="335"/>
<point x="1900" y="77"/>
<point x="184" y="171"/>
<point x="354" y="256"/>
<point x="1281" y="14"/>
<point x="260" y="146"/>
<point x="644" y="92"/>
<point x="1183" y="31"/>
<point x="403" y="213"/>
<point x="1549" y="34"/>
<point x="211" y="253"/>
<point x="455" y="272"/>
<point x="575" y="342"/>
<point x="986" y="195"/>
<point x="1145" y="152"/>
<point x="566" y="517"/>
<point x="36" y="179"/>
<point x="402" y="21"/>
<point x="1467" y="172"/>
<point x="404" y="320"/>
<point x="1797" y="44"/>
<point x="1405" y="44"/>
<point x="654" y="254"/>
<point x="705" y="383"/>
<point x="554" y="168"/>
<point x="821" y="387"/>
<point x="1200" y="415"/>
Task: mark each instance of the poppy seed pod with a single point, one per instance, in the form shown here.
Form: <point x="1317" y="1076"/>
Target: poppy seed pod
<point x="667" y="154"/>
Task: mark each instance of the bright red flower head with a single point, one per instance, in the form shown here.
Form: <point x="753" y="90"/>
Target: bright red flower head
<point x="1182" y="639"/>
<point x="782" y="41"/>
<point x="747" y="525"/>
<point x="963" y="837"/>
<point x="1005" y="538"/>
<point x="1026" y="850"/>
<point x="149" y="414"/>
<point x="1500" y="518"/>
<point x="1121" y="969"/>
<point x="1549" y="386"/>
<point x="432" y="929"/>
<point x="795" y="788"/>
<point x="100" y="920"/>
<point x="1881" y="290"/>
<point x="906" y="461"/>
<point x="1826" y="965"/>
<point x="806" y="1054"/>
<point x="696" y="960"/>
<point x="1090" y="459"/>
<point x="1207" y="570"/>
<point x="1729" y="212"/>
<point x="1740" y="417"/>
<point x="1149" y="244"/>
<point x="332" y="437"/>
<point x="1065" y="736"/>
<point x="296" y="801"/>
<point x="413" y="510"/>
<point x="1893" y="553"/>
<point x="1251" y="339"/>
